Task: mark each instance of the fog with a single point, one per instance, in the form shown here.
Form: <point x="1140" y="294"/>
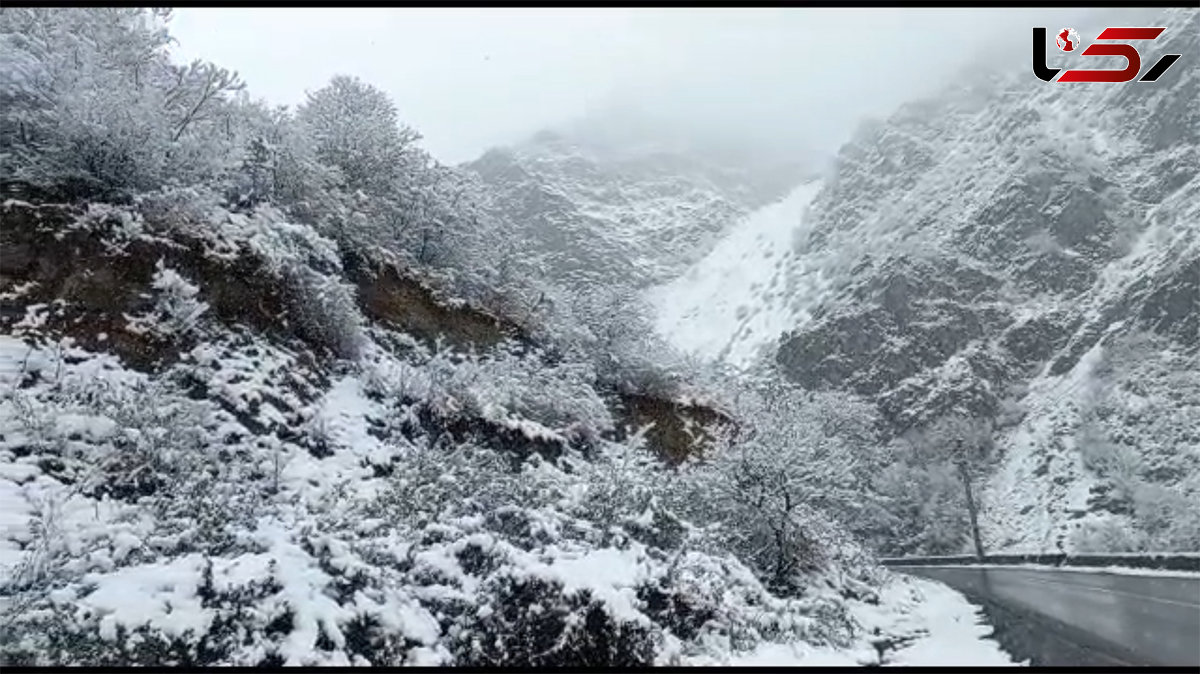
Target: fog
<point x="470" y="79"/>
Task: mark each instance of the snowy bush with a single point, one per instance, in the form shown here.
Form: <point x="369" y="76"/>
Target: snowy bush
<point x="560" y="396"/>
<point x="925" y="502"/>
<point x="325" y="311"/>
<point x="1106" y="536"/>
<point x="176" y="310"/>
<point x="1161" y="513"/>
<point x="460" y="557"/>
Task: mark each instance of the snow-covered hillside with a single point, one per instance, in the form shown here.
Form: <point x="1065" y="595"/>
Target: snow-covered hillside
<point x="276" y="390"/>
<point x="610" y="205"/>
<point x="732" y="303"/>
<point x="976" y="254"/>
<point x="194" y="488"/>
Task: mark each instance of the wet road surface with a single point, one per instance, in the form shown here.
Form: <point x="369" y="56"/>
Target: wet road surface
<point x="1120" y="619"/>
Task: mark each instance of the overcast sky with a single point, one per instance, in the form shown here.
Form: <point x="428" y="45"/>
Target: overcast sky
<point x="469" y="79"/>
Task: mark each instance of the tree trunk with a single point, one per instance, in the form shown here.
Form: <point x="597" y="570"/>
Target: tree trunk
<point x="971" y="509"/>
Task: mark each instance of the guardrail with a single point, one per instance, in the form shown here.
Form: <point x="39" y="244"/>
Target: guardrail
<point x="1165" y="561"/>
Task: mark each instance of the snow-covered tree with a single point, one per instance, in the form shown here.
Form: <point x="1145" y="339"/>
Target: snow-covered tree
<point x="355" y="127"/>
<point x="92" y="102"/>
<point x="967" y="444"/>
<point x="775" y="485"/>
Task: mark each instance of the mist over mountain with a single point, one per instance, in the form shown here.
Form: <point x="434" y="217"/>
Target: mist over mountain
<point x="624" y="197"/>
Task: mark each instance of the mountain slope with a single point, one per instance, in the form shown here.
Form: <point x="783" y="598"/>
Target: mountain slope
<point x="731" y="302"/>
<point x="256" y="408"/>
<point x="611" y="205"/>
<point x="1021" y="252"/>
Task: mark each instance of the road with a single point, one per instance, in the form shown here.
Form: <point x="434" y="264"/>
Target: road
<point x="1127" y="619"/>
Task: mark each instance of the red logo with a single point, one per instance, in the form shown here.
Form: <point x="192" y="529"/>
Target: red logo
<point x="1068" y="41"/>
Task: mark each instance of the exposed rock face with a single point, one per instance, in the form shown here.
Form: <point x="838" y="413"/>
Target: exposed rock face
<point x="402" y="302"/>
<point x="95" y="286"/>
<point x="1017" y="250"/>
<point x="1001" y="228"/>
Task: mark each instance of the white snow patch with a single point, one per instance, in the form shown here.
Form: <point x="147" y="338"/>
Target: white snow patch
<point x="609" y="573"/>
<point x="342" y="414"/>
<point x="163" y="595"/>
<point x="733" y="301"/>
<point x="949" y="630"/>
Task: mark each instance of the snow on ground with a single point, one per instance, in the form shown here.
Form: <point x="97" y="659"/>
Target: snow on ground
<point x="733" y="301"/>
<point x="608" y="573"/>
<point x="799" y="653"/>
<point x="935" y="625"/>
<point x="948" y="630"/>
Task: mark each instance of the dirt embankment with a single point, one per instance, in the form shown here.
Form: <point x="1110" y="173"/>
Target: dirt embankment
<point x="677" y="430"/>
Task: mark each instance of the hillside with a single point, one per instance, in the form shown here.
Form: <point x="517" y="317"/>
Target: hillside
<point x="1020" y="253"/>
<point x="617" y="199"/>
<point x="275" y="390"/>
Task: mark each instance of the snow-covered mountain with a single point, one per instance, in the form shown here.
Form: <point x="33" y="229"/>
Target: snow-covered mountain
<point x="618" y="198"/>
<point x="1010" y="249"/>
<point x="278" y="389"/>
<point x="273" y="391"/>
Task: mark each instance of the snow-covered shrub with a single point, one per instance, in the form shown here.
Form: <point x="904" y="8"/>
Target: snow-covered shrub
<point x="126" y="442"/>
<point x="1165" y="515"/>
<point x="186" y="210"/>
<point x="430" y="485"/>
<point x="450" y="554"/>
<point x="216" y="620"/>
<point x="176" y="310"/>
<point x="280" y="242"/>
<point x="1117" y="463"/>
<point x="504" y="385"/>
<point x="325" y="311"/>
<point x="629" y="493"/>
<point x="928" y="516"/>
<point x="534" y="622"/>
<point x="611" y="326"/>
<point x="559" y="396"/>
<point x="536" y="589"/>
<point x="49" y="548"/>
<point x="387" y="377"/>
<point x="116" y="224"/>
